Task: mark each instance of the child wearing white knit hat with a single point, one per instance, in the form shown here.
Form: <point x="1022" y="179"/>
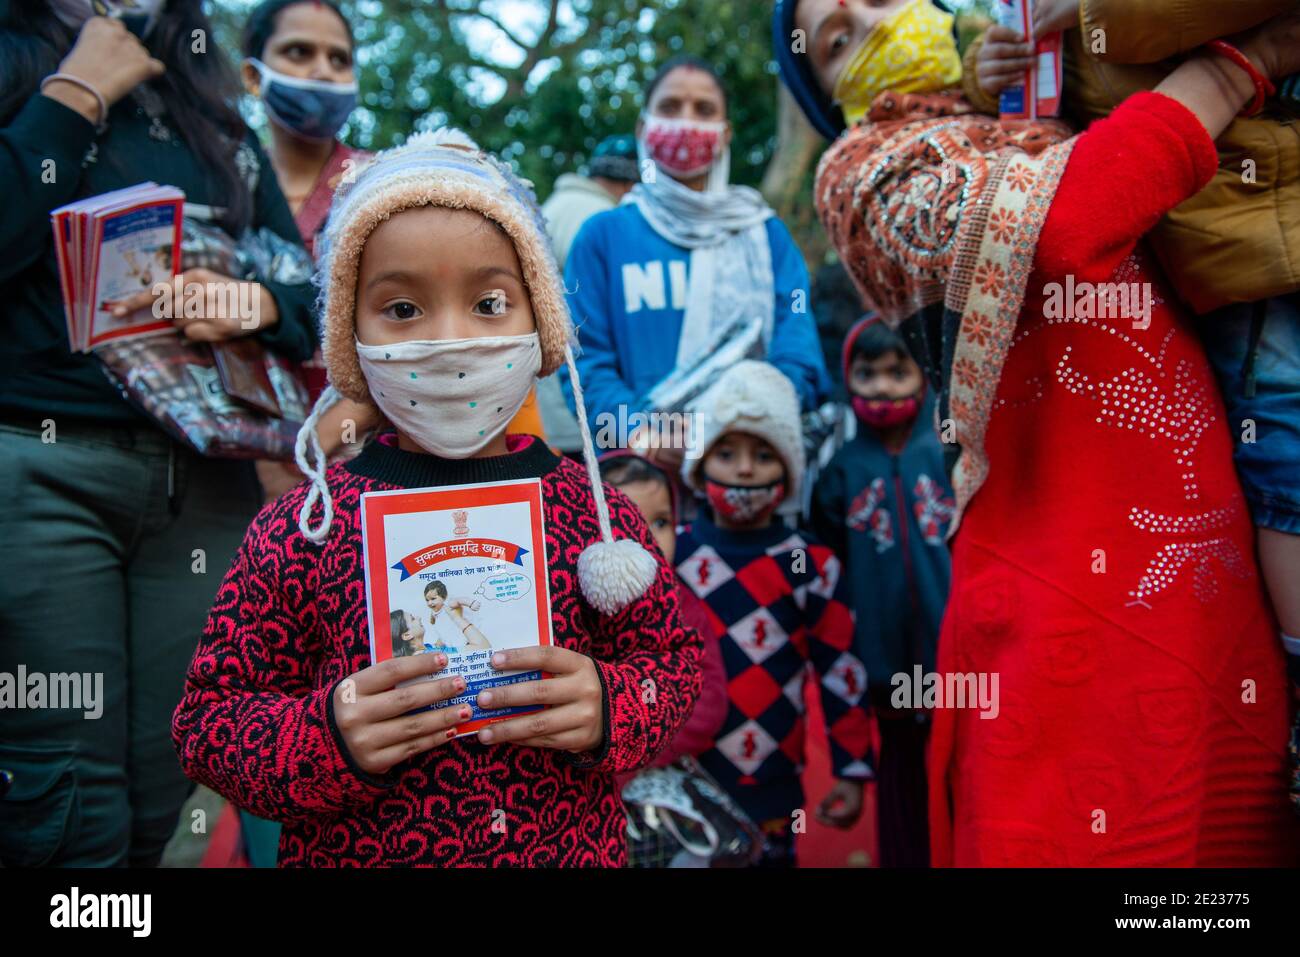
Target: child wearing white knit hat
<point x="441" y="304"/>
<point x="778" y="603"/>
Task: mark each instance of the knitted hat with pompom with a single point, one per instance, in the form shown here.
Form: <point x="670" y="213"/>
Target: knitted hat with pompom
<point x="446" y="168"/>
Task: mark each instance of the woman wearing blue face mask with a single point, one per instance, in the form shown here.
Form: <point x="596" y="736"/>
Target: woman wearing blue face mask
<point x="105" y="517"/>
<point x="299" y="63"/>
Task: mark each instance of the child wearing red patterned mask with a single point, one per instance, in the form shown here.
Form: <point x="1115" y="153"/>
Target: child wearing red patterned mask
<point x="885" y="385"/>
<point x="777" y="602"/>
<point x="883" y="504"/>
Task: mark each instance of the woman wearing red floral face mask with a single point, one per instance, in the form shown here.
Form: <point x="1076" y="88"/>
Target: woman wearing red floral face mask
<point x="686" y="254"/>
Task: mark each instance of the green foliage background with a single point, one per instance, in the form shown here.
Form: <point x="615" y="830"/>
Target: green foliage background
<point x="541" y="82"/>
<point x="422" y="64"/>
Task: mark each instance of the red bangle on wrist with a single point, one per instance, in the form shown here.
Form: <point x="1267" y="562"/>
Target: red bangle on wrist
<point x="1264" y="87"/>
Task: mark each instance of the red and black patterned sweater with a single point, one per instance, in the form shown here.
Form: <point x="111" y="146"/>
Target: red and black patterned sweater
<point x="289" y="622"/>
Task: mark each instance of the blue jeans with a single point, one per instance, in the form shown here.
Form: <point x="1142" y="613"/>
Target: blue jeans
<point x="1268" y="462"/>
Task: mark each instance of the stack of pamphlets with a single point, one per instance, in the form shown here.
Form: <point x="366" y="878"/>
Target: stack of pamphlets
<point x="111" y="247"/>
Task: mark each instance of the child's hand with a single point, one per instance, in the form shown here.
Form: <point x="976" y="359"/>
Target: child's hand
<point x="575" y="718"/>
<point x="458" y="606"/>
<point x="1274" y="44"/>
<point x="1002" y="60"/>
<point x="371" y="713"/>
<point x="842" y="805"/>
<point x="665" y="448"/>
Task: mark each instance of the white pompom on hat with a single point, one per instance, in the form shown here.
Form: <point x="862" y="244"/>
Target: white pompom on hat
<point x="757" y="399"/>
<point x="446" y="168"/>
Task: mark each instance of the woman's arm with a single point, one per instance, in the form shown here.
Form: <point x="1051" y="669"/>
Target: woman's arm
<point x="293" y="334"/>
<point x="40" y="165"/>
<point x="42" y="147"/>
<point x="473" y="637"/>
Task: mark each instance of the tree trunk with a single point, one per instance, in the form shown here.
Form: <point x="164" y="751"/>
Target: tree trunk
<point x="797" y="144"/>
<point x="797" y="147"/>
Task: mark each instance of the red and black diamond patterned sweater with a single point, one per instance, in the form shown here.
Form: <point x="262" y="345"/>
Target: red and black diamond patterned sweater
<point x="777" y="601"/>
<point x="255" y="723"/>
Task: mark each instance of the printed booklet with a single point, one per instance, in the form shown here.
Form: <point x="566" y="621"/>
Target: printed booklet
<point x="110" y="247"/>
<point x="461" y="570"/>
<point x="1038" y="93"/>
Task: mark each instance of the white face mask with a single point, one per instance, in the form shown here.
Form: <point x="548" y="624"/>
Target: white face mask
<point x="452" y="397"/>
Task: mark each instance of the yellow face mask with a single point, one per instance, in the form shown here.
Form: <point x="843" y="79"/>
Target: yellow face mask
<point x="912" y="51"/>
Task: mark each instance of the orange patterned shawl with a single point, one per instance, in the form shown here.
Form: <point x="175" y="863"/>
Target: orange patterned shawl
<point x="929" y="203"/>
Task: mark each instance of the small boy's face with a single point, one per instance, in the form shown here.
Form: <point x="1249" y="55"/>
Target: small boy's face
<point x="437" y="273"/>
<point x="889" y="376"/>
<point x="656" y="504"/>
<point x="835" y="29"/>
<point x="738" y="458"/>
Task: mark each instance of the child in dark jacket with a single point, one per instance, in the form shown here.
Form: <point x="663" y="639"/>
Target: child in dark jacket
<point x="442" y="303"/>
<point x="883" y="504"/>
<point x="777" y="602"/>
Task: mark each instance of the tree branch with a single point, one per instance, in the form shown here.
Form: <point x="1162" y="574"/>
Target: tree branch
<point x="496" y="22"/>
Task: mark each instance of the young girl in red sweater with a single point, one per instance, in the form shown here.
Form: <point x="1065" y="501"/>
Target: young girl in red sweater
<point x="442" y="304"/>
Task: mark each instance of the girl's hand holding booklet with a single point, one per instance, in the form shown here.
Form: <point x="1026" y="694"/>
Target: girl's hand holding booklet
<point x="460" y="571"/>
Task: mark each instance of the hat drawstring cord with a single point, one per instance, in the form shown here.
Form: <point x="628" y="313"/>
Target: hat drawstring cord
<point x="611" y="573"/>
<point x="588" y="448"/>
<point x="319" y="491"/>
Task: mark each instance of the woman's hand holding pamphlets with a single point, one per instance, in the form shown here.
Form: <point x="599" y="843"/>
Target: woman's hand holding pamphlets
<point x="1020" y="59"/>
<point x="1053" y="16"/>
<point x="171" y="300"/>
<point x="574" y="719"/>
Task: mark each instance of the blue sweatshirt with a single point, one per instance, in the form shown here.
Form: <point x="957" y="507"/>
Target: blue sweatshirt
<point x="628" y="297"/>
